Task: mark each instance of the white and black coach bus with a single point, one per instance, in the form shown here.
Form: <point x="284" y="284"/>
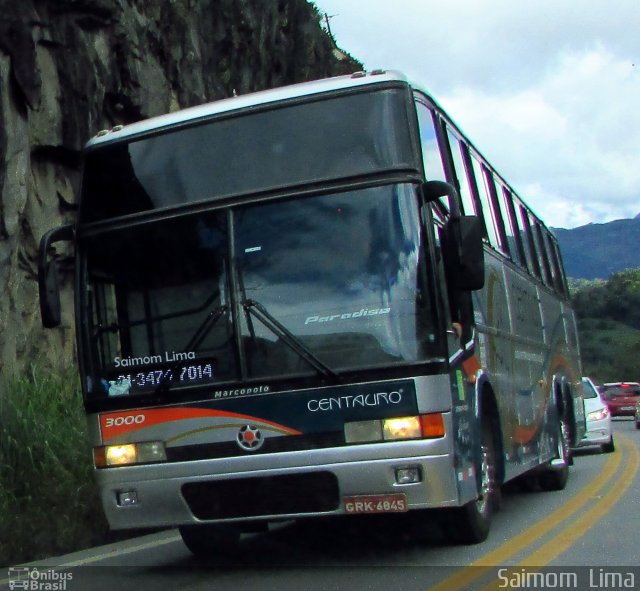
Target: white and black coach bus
<point x="313" y="301"/>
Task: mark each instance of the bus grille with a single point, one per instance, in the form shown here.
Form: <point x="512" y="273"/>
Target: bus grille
<point x="270" y="495"/>
<point x="206" y="451"/>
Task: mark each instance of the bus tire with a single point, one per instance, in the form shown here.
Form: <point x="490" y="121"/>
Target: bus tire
<point x="471" y="522"/>
<point x="209" y="541"/>
<point x="556" y="475"/>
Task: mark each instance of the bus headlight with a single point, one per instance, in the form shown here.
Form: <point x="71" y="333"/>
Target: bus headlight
<point x="401" y="428"/>
<point x="428" y="426"/>
<point x="128" y="454"/>
<point x="119" y="455"/>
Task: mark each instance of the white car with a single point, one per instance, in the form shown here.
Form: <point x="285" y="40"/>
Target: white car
<point x="598" y="418"/>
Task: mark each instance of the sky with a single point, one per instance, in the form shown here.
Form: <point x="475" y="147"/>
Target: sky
<point x="547" y="90"/>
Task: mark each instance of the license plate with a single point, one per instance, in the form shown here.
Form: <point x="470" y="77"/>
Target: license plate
<point x="628" y="408"/>
<point x="396" y="503"/>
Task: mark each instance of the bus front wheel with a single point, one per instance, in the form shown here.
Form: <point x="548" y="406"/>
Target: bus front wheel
<point x="471" y="522"/>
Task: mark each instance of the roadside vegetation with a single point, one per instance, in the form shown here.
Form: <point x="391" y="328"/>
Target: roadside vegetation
<point x="48" y="502"/>
<point x="609" y="326"/>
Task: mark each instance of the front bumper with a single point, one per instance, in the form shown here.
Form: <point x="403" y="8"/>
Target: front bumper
<point x="355" y="470"/>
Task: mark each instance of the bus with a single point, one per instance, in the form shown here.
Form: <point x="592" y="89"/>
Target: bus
<point x="313" y="301"/>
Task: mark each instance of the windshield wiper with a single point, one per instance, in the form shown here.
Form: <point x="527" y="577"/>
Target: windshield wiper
<point x="203" y="330"/>
<point x="258" y="311"/>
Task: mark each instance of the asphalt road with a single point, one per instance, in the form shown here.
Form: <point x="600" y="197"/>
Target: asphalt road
<point x="585" y="537"/>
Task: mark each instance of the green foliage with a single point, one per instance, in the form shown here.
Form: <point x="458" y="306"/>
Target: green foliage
<point x="618" y="298"/>
<point x="48" y="502"/>
<point x="609" y="324"/>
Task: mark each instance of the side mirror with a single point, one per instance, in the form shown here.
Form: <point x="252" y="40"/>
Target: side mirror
<point x="433" y="190"/>
<point x="49" y="295"/>
<point x="464" y="237"/>
<point x="48" y="283"/>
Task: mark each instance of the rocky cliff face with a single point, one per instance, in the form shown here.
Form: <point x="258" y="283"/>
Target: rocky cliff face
<point x="69" y="68"/>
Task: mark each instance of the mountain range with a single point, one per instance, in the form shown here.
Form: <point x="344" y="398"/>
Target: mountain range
<point x="596" y="251"/>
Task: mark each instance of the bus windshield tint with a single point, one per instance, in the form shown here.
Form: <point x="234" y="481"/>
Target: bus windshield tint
<point x="342" y="274"/>
<point x="292" y="145"/>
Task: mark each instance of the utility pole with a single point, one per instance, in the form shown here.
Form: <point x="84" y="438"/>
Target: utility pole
<point x="326" y="20"/>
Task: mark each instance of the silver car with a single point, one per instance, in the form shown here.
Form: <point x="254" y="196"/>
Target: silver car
<point x="598" y="418"/>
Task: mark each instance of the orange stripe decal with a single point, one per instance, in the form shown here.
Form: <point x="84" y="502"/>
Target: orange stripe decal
<point x="115" y="424"/>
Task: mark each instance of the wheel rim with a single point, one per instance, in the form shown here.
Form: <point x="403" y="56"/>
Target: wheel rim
<point x="487" y="477"/>
<point x="563" y="442"/>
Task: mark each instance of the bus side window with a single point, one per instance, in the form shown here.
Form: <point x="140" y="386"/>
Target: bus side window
<point x="432" y="158"/>
<point x="522" y="233"/>
<point x="563" y="277"/>
<point x="503" y="197"/>
<point x="485" y="202"/>
<point x="556" y="268"/>
<point x="543" y="254"/>
<point x="493" y="186"/>
<point x="461" y="177"/>
<point x="519" y="243"/>
<point x="528" y="230"/>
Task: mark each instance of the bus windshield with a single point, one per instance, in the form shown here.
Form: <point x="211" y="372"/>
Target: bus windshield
<point x="292" y="145"/>
<point x="256" y="291"/>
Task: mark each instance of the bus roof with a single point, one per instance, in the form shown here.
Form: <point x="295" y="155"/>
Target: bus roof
<point x="235" y="103"/>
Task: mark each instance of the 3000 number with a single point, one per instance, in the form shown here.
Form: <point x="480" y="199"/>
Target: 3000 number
<point x="128" y="420"/>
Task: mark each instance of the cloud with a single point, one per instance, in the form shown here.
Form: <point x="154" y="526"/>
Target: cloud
<point x="572" y="134"/>
<point x="548" y="91"/>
